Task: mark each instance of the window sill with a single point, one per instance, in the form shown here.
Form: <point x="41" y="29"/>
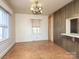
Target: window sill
<point x="1" y="40"/>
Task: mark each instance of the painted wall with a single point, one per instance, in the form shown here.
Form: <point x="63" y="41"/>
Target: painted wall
<point x="7" y="44"/>
<point x="24" y="27"/>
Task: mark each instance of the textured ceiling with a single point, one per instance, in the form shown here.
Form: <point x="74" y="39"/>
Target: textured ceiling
<point x="49" y="6"/>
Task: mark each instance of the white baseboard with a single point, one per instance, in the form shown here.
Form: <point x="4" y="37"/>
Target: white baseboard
<point x="4" y="52"/>
<point x="31" y="40"/>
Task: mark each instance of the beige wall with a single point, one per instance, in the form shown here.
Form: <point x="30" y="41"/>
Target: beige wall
<point x="7" y="44"/>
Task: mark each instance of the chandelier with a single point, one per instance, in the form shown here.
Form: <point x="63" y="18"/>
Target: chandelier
<point x="36" y="7"/>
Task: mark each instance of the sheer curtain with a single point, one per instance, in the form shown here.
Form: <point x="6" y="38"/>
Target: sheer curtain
<point x="4" y="24"/>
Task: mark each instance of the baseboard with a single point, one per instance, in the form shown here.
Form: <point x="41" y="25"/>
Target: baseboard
<point x="32" y="40"/>
<point x="4" y="52"/>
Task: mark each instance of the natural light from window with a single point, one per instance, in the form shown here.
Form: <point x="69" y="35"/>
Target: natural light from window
<point x="4" y="18"/>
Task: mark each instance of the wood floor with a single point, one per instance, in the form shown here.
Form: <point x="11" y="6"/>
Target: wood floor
<point x="37" y="50"/>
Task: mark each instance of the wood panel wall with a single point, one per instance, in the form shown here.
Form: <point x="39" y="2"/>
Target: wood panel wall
<point x="49" y="28"/>
<point x="60" y="16"/>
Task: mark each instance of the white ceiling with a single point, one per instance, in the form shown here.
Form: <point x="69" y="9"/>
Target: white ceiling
<point x="49" y="6"/>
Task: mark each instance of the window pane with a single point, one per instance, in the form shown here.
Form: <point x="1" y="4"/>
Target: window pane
<point x="4" y="17"/>
<point x="5" y="33"/>
<point x="7" y="20"/>
<point x="33" y="29"/>
<point x="36" y="29"/>
<point x="0" y="32"/>
<point x="0" y="17"/>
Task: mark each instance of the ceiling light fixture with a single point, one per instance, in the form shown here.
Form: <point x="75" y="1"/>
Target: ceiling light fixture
<point x="36" y="7"/>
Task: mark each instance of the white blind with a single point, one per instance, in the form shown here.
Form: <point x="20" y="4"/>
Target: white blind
<point x="35" y="22"/>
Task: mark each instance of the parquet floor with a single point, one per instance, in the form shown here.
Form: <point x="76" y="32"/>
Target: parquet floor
<point x="37" y="50"/>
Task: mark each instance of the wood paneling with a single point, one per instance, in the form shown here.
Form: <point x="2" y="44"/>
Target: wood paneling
<point x="70" y="10"/>
<point x="60" y="16"/>
<point x="49" y="27"/>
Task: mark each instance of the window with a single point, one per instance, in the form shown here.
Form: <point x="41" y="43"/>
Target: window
<point x="36" y="28"/>
<point x="35" y="25"/>
<point x="4" y="18"/>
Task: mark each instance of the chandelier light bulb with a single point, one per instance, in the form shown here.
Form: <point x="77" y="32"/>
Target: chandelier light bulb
<point x="40" y="8"/>
<point x="31" y="8"/>
<point x="41" y="11"/>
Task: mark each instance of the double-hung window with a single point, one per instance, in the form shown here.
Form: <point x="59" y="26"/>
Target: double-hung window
<point x="4" y="24"/>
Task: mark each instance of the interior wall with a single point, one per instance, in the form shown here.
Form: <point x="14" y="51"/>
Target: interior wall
<point x="24" y="27"/>
<point x="7" y="44"/>
<point x="60" y="16"/>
